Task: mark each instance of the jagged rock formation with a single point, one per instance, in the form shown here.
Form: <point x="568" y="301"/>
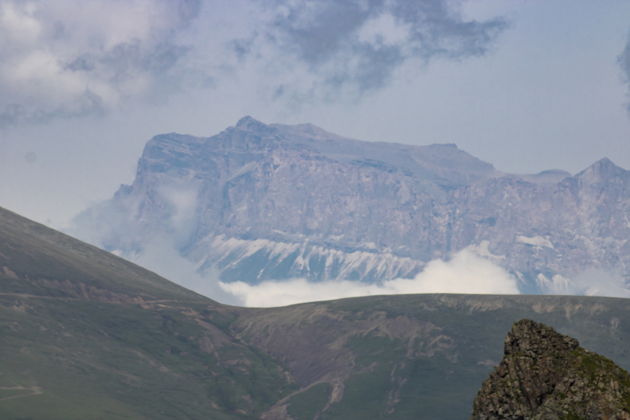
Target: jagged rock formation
<point x="260" y="201"/>
<point x="545" y="376"/>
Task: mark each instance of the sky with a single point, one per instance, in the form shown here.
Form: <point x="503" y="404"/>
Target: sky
<point x="525" y="85"/>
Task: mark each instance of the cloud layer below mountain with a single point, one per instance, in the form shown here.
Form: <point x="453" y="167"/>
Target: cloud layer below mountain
<point x="591" y="282"/>
<point x="465" y="272"/>
<point x="472" y="270"/>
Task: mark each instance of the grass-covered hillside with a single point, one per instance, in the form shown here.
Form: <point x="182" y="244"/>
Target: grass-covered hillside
<point x="414" y="356"/>
<point x="87" y="335"/>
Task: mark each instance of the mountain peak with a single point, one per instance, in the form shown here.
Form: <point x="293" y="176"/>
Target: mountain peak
<point x="601" y="169"/>
<point x="250" y="123"/>
<point x="604" y="162"/>
<point x="532" y="337"/>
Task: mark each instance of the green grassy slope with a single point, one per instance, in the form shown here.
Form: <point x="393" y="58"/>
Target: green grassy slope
<point x="414" y="356"/>
<point x="87" y="335"/>
<point x="40" y="261"/>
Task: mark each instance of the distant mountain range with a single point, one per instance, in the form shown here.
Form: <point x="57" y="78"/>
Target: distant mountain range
<point x="271" y="201"/>
<point x="87" y="335"/>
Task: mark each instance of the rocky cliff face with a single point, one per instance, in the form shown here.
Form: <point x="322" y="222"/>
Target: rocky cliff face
<point x="260" y="201"/>
<point x="545" y="375"/>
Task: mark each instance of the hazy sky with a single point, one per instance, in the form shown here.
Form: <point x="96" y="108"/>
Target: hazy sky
<point x="525" y="85"/>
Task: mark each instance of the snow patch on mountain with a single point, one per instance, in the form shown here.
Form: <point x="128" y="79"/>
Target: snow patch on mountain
<point x="465" y="272"/>
<point x="536" y="241"/>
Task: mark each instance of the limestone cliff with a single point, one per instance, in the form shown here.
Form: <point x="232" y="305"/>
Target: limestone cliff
<point x="263" y="202"/>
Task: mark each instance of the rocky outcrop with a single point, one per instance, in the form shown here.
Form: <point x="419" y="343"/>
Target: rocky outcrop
<point x="545" y="376"/>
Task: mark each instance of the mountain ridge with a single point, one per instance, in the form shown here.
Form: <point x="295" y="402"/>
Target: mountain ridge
<point x="324" y="199"/>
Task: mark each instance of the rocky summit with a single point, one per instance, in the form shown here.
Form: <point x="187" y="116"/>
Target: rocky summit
<point x="545" y="375"/>
<point x="263" y="201"/>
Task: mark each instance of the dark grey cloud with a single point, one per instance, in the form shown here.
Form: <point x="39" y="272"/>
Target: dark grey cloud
<point x="438" y="30"/>
<point x="360" y="43"/>
<point x="319" y="32"/>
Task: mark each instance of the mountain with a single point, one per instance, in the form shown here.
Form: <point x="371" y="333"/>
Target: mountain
<point x="545" y="375"/>
<point x="271" y="201"/>
<point x="412" y="356"/>
<point x="88" y="335"/>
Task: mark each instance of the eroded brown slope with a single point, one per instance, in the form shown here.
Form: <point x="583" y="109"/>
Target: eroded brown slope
<point x="413" y="356"/>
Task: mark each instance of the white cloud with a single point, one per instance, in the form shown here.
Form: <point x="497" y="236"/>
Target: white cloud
<point x="473" y="270"/>
<point x="67" y="58"/>
<point x="182" y="200"/>
<point x="19" y="24"/>
<point x="466" y="272"/>
<point x="160" y="256"/>
<point x="592" y="282"/>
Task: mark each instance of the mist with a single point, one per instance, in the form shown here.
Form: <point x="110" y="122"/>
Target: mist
<point x="465" y="272"/>
<point x="591" y="282"/>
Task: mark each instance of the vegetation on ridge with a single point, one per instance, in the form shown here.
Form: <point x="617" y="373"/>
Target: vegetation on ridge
<point x="87" y="335"/>
<point x="545" y="375"/>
